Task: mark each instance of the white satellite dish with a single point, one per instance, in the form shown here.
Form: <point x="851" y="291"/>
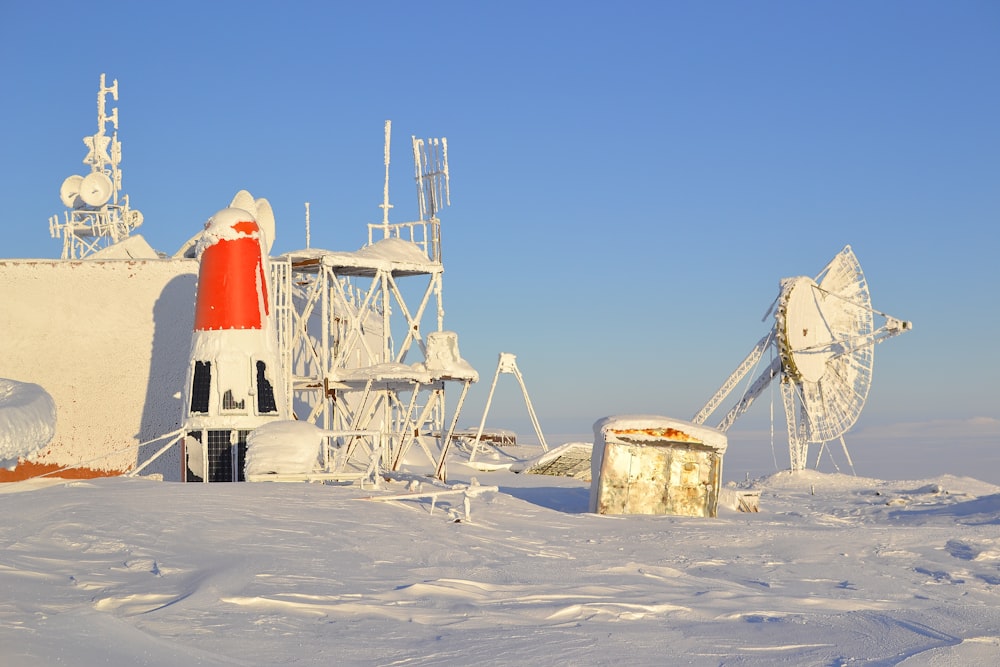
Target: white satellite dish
<point x="265" y="220"/>
<point x="133" y="218"/>
<point x="243" y="200"/>
<point x="96" y="189"/>
<point x="70" y="190"/>
<point x="262" y="212"/>
<point x="824" y="335"/>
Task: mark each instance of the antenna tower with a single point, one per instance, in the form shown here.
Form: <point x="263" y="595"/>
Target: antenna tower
<point x="361" y="317"/>
<point x="99" y="214"/>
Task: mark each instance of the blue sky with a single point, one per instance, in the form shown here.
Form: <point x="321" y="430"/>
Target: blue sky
<point x="629" y="181"/>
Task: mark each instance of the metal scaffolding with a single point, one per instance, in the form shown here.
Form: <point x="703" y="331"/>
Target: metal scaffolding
<point x="354" y="325"/>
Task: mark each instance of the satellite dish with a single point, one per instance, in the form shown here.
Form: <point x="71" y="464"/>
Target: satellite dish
<point x="265" y="220"/>
<point x="261" y="210"/>
<point x="818" y="329"/>
<point x="824" y="335"/>
<point x="96" y="188"/>
<point x="243" y="200"/>
<point x="133" y="218"/>
<point x="70" y="190"/>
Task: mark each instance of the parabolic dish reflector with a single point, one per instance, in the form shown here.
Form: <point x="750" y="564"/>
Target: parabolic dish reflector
<point x="825" y="337"/>
<point x="261" y="210"/>
<point x="243" y="200"/>
<point x="265" y="220"/>
<point x="824" y="334"/>
<point x="70" y="190"/>
<point x="96" y="188"/>
<point x="806" y="337"/>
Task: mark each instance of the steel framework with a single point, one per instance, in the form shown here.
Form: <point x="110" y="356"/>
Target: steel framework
<point x="354" y="324"/>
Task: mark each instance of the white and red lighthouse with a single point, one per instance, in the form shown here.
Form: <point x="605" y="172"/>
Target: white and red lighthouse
<point x="235" y="381"/>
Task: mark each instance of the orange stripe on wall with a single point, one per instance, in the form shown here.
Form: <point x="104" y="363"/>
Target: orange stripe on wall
<point x="25" y="471"/>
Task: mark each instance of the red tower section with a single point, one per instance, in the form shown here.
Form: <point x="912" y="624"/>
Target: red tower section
<point x="232" y="286"/>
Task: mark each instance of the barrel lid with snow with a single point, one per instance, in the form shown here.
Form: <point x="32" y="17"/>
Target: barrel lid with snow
<point x="655" y="428"/>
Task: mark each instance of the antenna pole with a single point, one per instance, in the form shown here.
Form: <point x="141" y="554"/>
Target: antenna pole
<point x="385" y="206"/>
<point x="307" y="224"/>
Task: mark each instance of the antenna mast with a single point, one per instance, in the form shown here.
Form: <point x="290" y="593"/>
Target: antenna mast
<point x="96" y="219"/>
<point x="385" y="205"/>
<point x="307" y="224"/>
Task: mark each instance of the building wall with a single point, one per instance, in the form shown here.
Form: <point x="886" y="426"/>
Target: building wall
<point x="109" y="340"/>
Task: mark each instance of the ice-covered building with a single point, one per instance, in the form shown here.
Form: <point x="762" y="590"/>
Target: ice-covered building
<point x="646" y="464"/>
<point x="109" y="329"/>
<point x="235" y="379"/>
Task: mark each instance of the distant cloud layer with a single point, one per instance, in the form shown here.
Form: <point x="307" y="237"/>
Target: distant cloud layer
<point x="975" y="427"/>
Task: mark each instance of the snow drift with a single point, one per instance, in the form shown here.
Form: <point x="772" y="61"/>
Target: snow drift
<point x="27" y="421"/>
<point x="834" y="570"/>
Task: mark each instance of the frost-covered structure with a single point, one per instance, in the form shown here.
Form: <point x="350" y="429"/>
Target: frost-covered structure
<point x="359" y="327"/>
<point x="357" y="351"/>
<point x="99" y="214"/>
<point x="285" y="447"/>
<point x="822" y="345"/>
<point x="235" y="377"/>
<point x="647" y="464"/>
<point x="108" y="340"/>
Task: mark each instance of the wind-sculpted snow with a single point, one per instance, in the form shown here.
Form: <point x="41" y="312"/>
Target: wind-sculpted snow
<point x="832" y="570"/>
<point x="27" y="420"/>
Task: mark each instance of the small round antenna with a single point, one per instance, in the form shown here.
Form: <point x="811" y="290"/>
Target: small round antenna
<point x="265" y="220"/>
<point x="261" y="210"/>
<point x="243" y="200"/>
<point x="96" y="189"/>
<point x="69" y="192"/>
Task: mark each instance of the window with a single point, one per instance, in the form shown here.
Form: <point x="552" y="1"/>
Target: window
<point x="200" y="386"/>
<point x="265" y="391"/>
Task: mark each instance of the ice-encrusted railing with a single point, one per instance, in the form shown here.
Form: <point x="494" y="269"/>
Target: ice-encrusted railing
<point x="430" y="161"/>
<point x="425" y="234"/>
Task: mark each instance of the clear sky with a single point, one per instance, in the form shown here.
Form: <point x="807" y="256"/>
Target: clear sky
<point x="629" y="180"/>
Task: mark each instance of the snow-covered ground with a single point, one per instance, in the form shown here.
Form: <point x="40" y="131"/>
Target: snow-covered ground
<point x="833" y="570"/>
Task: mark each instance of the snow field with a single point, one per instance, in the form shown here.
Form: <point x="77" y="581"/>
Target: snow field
<point x="832" y="570"/>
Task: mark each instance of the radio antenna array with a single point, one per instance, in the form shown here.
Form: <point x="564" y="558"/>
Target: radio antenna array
<point x="430" y="159"/>
<point x="97" y="218"/>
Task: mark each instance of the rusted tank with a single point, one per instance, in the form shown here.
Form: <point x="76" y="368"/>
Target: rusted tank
<point x="646" y="464"/>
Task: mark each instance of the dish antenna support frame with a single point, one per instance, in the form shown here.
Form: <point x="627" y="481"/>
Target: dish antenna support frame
<point x="822" y="340"/>
<point x="507" y="364"/>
